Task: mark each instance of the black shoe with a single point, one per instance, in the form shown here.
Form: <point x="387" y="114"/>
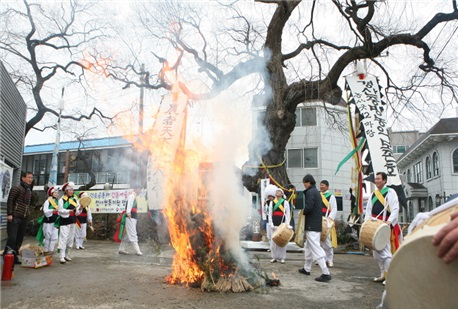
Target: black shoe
<point x="17" y="262"/>
<point x="303" y="271"/>
<point x="323" y="278"/>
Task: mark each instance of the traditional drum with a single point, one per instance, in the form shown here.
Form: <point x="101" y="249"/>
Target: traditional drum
<point x="326" y="226"/>
<point x="417" y="277"/>
<point x="299" y="238"/>
<point x="375" y="234"/>
<point x="282" y="235"/>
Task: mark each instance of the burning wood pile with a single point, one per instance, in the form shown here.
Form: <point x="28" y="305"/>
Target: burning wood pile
<point x="202" y="260"/>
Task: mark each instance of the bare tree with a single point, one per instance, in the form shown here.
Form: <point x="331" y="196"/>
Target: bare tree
<point x="44" y="44"/>
<point x="307" y="72"/>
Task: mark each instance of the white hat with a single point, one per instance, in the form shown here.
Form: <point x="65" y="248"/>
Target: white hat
<point x="67" y="186"/>
<point x="270" y="190"/>
<point x="52" y="190"/>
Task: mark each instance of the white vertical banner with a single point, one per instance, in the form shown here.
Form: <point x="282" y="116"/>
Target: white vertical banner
<point x="366" y="95"/>
<point x="166" y="138"/>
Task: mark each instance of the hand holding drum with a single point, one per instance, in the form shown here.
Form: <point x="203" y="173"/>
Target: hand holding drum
<point x="447" y="240"/>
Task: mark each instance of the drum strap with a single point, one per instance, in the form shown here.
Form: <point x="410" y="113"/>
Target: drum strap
<point x="324" y="198"/>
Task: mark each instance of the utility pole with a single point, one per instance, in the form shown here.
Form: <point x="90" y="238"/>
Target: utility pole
<point x="53" y="169"/>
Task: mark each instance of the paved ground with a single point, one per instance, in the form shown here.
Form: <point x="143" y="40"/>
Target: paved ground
<point x="99" y="277"/>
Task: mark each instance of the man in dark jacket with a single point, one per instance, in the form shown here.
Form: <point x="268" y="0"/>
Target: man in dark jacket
<point x="18" y="210"/>
<point x="313" y="220"/>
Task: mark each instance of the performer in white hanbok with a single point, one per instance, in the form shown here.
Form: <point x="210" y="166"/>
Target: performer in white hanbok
<point x="85" y="219"/>
<point x="69" y="209"/>
<point x="384" y="205"/>
<point x="279" y="212"/>
<point x="50" y="232"/>
<point x="130" y="235"/>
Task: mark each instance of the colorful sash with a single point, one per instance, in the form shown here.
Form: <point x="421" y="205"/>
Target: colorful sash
<point x="120" y="230"/>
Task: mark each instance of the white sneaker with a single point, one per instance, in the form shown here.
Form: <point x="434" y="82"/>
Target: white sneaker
<point x="67" y="258"/>
<point x="282" y="261"/>
<point x="63" y="261"/>
<point x="273" y="260"/>
<point x="384" y="282"/>
<point x="330" y="264"/>
<point x="139" y="253"/>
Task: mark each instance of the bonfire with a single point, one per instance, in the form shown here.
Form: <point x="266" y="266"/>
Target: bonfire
<point x="203" y="223"/>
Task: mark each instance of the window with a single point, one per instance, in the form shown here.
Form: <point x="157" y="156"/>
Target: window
<point x="294" y="158"/>
<point x="430" y="202"/>
<point x="302" y="158"/>
<point x="399" y="149"/>
<point x="417" y="172"/>
<point x="310" y="157"/>
<point x="409" y="176"/>
<point x="435" y="164"/>
<point x="428" y="168"/>
<point x="305" y="117"/>
<point x="308" y="116"/>
<point x="455" y="161"/>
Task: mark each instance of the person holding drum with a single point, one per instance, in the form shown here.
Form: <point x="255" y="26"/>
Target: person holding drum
<point x="329" y="212"/>
<point x="69" y="209"/>
<point x="384" y="205"/>
<point x="84" y="219"/>
<point x="50" y="232"/>
<point x="313" y="226"/>
<point x="279" y="212"/>
<point x="130" y="235"/>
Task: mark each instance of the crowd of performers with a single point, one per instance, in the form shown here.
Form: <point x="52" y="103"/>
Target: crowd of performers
<point x="65" y="222"/>
<point x="320" y="205"/>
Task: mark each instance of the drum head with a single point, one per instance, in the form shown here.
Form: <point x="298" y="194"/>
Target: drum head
<point x="417" y="278"/>
<point x="85" y="201"/>
<point x="381" y="237"/>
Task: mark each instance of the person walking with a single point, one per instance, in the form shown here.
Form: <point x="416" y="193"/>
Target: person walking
<point x="85" y="219"/>
<point x="384" y="205"/>
<point x="130" y="235"/>
<point x="68" y="210"/>
<point x="50" y="210"/>
<point x="313" y="220"/>
<point x="329" y="212"/>
<point x="20" y="199"/>
<point x="279" y="212"/>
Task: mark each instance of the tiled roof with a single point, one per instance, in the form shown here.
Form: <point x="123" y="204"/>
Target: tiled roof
<point x="107" y="142"/>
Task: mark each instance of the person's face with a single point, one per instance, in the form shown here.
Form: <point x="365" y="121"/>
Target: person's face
<point x="27" y="179"/>
<point x="323" y="187"/>
<point x="271" y="197"/>
<point x="70" y="192"/>
<point x="278" y="193"/>
<point x="55" y="194"/>
<point x="307" y="185"/>
<point x="379" y="182"/>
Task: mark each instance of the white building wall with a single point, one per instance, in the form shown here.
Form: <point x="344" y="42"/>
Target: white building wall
<point x="333" y="145"/>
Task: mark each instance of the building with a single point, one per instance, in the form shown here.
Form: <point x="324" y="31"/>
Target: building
<point x="112" y="160"/>
<point x="430" y="168"/>
<point x="12" y="129"/>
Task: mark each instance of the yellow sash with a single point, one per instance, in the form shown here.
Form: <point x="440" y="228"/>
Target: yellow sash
<point x="279" y="206"/>
<point x="325" y="201"/>
<point x="381" y="198"/>
<point x="52" y="202"/>
<point x="71" y="201"/>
